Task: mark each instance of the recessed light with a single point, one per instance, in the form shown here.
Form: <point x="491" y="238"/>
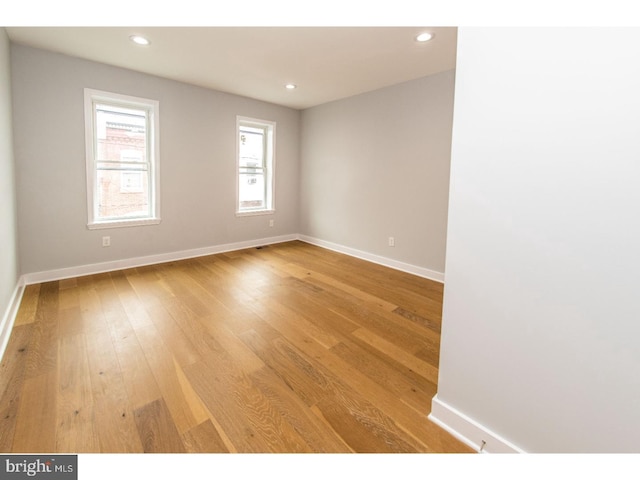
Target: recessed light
<point x="424" y="37"/>
<point x="290" y="86"/>
<point x="139" y="40"/>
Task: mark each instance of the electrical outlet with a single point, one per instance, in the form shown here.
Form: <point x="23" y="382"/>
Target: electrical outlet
<point x="392" y="242"/>
<point x="106" y="241"/>
<point x="271" y="222"/>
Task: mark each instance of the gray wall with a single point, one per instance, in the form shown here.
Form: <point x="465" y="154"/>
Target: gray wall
<point x="541" y="313"/>
<point x="377" y="165"/>
<point x="197" y="155"/>
<point x="8" y="237"/>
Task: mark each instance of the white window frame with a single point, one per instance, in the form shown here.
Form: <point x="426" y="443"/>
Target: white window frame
<point x="270" y="165"/>
<point x="152" y="107"/>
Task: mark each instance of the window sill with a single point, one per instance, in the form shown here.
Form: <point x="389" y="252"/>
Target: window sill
<point x="136" y="222"/>
<point x="255" y="212"/>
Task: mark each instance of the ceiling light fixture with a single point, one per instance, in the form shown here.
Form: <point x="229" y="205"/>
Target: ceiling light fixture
<point x="290" y="86"/>
<point x="139" y="40"/>
<point x="424" y="37"/>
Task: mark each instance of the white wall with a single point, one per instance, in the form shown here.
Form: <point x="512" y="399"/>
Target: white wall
<point x="197" y="155"/>
<point x="541" y="314"/>
<point x="377" y="165"/>
<point x="8" y="242"/>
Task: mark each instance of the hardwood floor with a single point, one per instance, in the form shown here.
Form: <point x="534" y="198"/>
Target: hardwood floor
<point x="286" y="348"/>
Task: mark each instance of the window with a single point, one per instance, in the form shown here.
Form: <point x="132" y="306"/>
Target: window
<point x="121" y="135"/>
<point x="255" y="172"/>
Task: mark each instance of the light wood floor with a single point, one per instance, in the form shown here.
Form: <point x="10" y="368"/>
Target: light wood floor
<point x="286" y="348"/>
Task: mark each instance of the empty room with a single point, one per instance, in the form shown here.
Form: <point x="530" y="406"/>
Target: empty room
<point x="319" y="240"/>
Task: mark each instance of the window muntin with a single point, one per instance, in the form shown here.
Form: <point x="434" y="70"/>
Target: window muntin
<point x="122" y="160"/>
<point x="255" y="147"/>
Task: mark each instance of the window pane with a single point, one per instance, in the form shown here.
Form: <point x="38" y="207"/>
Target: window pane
<point x="122" y="193"/>
<point x="251" y="190"/>
<point x="251" y="147"/>
<point x="131" y="182"/>
<point x="121" y="134"/>
<point x="122" y="168"/>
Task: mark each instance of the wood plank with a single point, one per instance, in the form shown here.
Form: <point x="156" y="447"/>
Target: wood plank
<point x="325" y="281"/>
<point x="152" y="295"/>
<point x="190" y="292"/>
<point x="216" y="392"/>
<point x="415" y="391"/>
<point x="35" y="430"/>
<point x="433" y="438"/>
<point x="163" y="366"/>
<point x="425" y="295"/>
<point x="262" y="258"/>
<point x="114" y="422"/>
<point x="430" y="354"/>
<point x="70" y="321"/>
<point x="12" y="371"/>
<point x="294" y="298"/>
<point x="28" y="306"/>
<point x="157" y="430"/>
<point x="136" y="314"/>
<point x="75" y="431"/>
<point x="363" y="313"/>
<point x="317" y="433"/>
<point x="364" y="428"/>
<point x="173" y="336"/>
<point x="290" y="366"/>
<point x="91" y="309"/>
<point x="194" y="330"/>
<point x="244" y="412"/>
<point x="43" y="350"/>
<point x="68" y="296"/>
<point x="413" y="363"/>
<point x="204" y="438"/>
<point x="414" y="317"/>
<point x="137" y="376"/>
<point x="244" y="356"/>
<point x="284" y="318"/>
<point x="228" y="303"/>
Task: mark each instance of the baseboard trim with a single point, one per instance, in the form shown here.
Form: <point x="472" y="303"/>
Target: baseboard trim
<point x="468" y="431"/>
<point x="91" y="269"/>
<point x="387" y="262"/>
<point x="94" y="268"/>
<point x="9" y="317"/>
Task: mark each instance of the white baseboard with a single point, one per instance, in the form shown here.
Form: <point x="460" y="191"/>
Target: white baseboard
<point x="81" y="270"/>
<point x="9" y="316"/>
<point x="468" y="431"/>
<point x="387" y="262"/>
<point x="90" y="269"/>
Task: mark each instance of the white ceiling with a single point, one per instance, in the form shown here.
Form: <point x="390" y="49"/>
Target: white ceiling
<point x="327" y="63"/>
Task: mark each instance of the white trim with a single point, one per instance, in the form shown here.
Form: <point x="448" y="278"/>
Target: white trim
<point x="9" y="316"/>
<point x="152" y="107"/>
<point x="387" y="262"/>
<point x="250" y="213"/>
<point x="270" y="126"/>
<point x="136" y="222"/>
<point x="90" y="269"/>
<point x="468" y="430"/>
<point x="81" y="270"/>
